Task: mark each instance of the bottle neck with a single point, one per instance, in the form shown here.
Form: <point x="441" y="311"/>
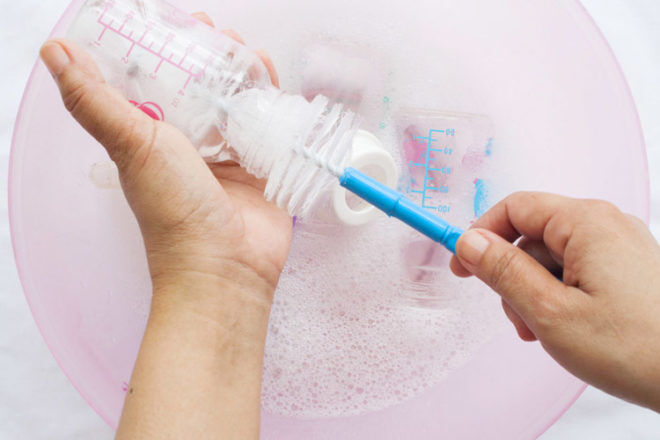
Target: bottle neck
<point x="295" y="144"/>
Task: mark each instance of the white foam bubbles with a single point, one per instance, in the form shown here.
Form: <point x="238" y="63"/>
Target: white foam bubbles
<point x="345" y="337"/>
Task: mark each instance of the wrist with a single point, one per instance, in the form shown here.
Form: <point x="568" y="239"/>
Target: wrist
<point x="240" y="306"/>
<point x="204" y="342"/>
<point x="218" y="265"/>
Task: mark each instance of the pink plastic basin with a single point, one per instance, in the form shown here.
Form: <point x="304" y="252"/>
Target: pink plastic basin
<point x="541" y="71"/>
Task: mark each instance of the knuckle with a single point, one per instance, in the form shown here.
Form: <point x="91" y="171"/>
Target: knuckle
<point x="511" y="271"/>
<point x="547" y="314"/>
<point x="518" y="196"/>
<point x="600" y="208"/>
<point x="126" y="136"/>
<point x="144" y="139"/>
<point x="522" y="203"/>
<point x="74" y="98"/>
<point x="558" y="231"/>
<point x="551" y="314"/>
<point x="506" y="269"/>
<point x="132" y="144"/>
<point x="636" y="221"/>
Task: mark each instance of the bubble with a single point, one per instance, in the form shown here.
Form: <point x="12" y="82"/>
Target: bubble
<point x="344" y="338"/>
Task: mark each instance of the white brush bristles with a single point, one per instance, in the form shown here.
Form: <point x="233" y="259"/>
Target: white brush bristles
<point x="300" y="147"/>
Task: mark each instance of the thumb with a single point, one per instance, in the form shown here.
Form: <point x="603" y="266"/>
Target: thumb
<point x="125" y="131"/>
<point x="533" y="292"/>
<point x="163" y="176"/>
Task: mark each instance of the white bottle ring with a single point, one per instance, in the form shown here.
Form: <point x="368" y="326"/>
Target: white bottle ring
<point x="370" y="157"/>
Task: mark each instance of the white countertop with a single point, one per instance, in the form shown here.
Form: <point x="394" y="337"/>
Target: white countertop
<point x="36" y="399"/>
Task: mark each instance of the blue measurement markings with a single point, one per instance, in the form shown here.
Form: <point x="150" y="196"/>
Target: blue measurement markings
<point x="428" y="165"/>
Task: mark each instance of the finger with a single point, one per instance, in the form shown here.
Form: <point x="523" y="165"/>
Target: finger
<point x="538" y="251"/>
<point x="636" y="221"/>
<point x="120" y="127"/>
<point x="535" y="249"/>
<point x="522" y="282"/>
<point x="458" y="269"/>
<point x="204" y="18"/>
<point x="233" y="35"/>
<point x="270" y="67"/>
<point x="530" y="214"/>
<point x="521" y="328"/>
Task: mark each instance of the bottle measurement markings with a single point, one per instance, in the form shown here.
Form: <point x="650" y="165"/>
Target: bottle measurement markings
<point x="429" y="168"/>
<point x="117" y="28"/>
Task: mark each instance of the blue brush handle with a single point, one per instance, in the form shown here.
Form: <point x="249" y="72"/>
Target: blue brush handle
<point x="396" y="205"/>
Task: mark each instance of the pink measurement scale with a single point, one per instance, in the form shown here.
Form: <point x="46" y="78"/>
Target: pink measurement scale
<point x="150" y="41"/>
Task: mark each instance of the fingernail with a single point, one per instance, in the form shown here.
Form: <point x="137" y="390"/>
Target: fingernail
<point x="472" y="246"/>
<point x="54" y="57"/>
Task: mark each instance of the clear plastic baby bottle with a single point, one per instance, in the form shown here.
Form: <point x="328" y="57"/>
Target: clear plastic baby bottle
<point x="219" y="93"/>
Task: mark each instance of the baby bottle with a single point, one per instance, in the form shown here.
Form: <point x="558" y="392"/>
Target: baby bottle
<point x="218" y="93"/>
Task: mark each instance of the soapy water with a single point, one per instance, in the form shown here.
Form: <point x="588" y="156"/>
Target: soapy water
<point x="343" y="340"/>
